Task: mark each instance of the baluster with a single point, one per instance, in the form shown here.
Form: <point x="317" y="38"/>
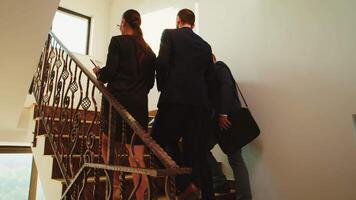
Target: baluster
<point x="152" y="188"/>
<point x="74" y="119"/>
<point x="170" y="188"/>
<point x="111" y="141"/>
<point x="91" y="143"/>
<point x="81" y="122"/>
<point x="108" y="186"/>
<point x="87" y="136"/>
<point x="133" y="161"/>
<point x="62" y="115"/>
<point x="99" y="158"/>
<point x="52" y="89"/>
<point x="83" y="183"/>
<point x="44" y="70"/>
<point x="46" y="79"/>
<point x="122" y="155"/>
<point x="37" y="86"/>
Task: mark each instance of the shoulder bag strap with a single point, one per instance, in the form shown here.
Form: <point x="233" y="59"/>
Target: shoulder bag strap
<point x="243" y="98"/>
<point x="238" y="88"/>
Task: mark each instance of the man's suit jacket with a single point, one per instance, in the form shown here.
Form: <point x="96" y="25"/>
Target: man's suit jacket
<point x="183" y="65"/>
<point x="225" y="94"/>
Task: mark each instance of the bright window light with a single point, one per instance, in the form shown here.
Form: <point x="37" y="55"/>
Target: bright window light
<point x="152" y="30"/>
<point x="153" y="24"/>
<point x="72" y="31"/>
<point x="15" y="175"/>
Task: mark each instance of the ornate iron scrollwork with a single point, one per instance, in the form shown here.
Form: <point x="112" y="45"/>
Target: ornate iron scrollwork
<point x="73" y="87"/>
<point x="86" y="103"/>
<point x="69" y="112"/>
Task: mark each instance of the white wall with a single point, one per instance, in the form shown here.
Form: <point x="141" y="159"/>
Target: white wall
<point x="295" y="61"/>
<point x="23" y="30"/>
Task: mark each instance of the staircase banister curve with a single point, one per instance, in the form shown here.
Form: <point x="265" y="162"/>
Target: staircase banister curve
<point x="158" y="151"/>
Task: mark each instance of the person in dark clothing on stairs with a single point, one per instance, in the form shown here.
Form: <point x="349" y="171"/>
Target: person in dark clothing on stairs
<point x="129" y="72"/>
<point x="225" y="103"/>
<point x="183" y="66"/>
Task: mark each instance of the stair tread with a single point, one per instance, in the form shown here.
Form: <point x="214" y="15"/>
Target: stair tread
<point x="67" y="136"/>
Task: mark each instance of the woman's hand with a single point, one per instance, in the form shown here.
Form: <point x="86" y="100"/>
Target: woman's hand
<point x="224" y="122"/>
<point x="96" y="70"/>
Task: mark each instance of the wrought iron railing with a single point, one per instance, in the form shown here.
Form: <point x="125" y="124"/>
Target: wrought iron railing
<point x="68" y="100"/>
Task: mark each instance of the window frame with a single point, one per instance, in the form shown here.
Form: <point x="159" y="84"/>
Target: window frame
<point x="71" y="12"/>
<point x="4" y="149"/>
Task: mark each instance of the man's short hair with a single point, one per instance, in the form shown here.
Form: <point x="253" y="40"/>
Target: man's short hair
<point x="187" y="16"/>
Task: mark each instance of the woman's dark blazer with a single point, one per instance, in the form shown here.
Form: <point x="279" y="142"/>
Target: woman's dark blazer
<point x="123" y="72"/>
<point x="129" y="73"/>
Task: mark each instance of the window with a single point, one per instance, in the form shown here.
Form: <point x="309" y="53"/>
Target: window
<point x="72" y="29"/>
<point x="15" y="167"/>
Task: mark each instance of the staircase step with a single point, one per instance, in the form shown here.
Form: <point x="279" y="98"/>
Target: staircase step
<point x="56" y="172"/>
<point x="55" y="112"/>
<point x="66" y="141"/>
<point x="87" y="192"/>
<point x="57" y="127"/>
<point x="89" y="189"/>
<point x="157" y="181"/>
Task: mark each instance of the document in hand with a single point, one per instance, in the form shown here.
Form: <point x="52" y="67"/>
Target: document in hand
<point x="96" y="63"/>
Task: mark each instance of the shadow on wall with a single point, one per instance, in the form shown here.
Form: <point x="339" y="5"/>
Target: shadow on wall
<point x="253" y="151"/>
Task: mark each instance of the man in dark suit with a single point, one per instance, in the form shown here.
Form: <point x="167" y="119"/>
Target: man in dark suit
<point x="226" y="102"/>
<point x="183" y="66"/>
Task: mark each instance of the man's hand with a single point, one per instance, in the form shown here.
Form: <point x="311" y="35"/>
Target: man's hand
<point x="224" y="122"/>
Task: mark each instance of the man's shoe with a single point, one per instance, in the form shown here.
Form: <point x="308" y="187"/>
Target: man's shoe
<point x="190" y="193"/>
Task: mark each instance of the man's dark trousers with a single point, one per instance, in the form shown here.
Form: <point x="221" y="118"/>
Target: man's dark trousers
<point x="186" y="122"/>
